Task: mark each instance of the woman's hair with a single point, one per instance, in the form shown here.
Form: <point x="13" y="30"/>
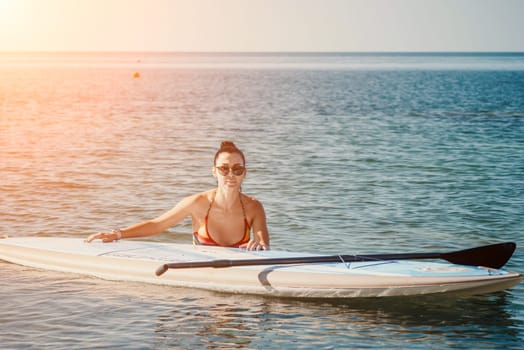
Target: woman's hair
<point x="229" y="147"/>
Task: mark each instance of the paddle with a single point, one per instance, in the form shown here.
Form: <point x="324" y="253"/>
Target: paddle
<point x="494" y="256"/>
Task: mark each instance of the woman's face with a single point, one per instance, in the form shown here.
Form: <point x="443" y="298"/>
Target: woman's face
<point x="229" y="170"/>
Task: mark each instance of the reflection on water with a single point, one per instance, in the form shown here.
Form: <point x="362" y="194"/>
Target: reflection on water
<point x="109" y="314"/>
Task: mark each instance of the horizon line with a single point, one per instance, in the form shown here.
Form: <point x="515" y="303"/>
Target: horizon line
<point x="252" y="52"/>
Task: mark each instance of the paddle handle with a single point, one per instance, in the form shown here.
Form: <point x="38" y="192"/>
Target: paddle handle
<point x="161" y="269"/>
<point x="220" y="263"/>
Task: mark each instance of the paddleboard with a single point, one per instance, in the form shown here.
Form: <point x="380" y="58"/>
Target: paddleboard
<point x="132" y="260"/>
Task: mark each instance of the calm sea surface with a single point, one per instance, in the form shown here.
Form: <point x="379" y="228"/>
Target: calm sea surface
<point x="349" y="153"/>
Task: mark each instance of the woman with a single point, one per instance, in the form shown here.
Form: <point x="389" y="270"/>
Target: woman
<point x="222" y="216"/>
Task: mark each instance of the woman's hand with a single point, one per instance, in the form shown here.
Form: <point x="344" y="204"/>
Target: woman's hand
<point x="106" y="237"/>
<point x="254" y="245"/>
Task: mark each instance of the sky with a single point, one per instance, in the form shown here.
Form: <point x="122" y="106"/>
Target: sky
<point x="262" y="25"/>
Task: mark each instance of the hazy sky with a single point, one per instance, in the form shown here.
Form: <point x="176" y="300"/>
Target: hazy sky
<point x="261" y="25"/>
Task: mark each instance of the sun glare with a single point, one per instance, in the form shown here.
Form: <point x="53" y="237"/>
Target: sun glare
<point x="5" y="4"/>
<point x="11" y="18"/>
<point x="8" y="7"/>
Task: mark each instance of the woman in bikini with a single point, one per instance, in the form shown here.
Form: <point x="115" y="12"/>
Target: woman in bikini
<point x="222" y="216"/>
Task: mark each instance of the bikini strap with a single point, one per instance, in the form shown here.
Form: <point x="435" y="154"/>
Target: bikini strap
<point x="243" y="207"/>
<point x="211" y="204"/>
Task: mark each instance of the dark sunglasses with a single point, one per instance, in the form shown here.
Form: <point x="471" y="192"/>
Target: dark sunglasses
<point x="235" y="169"/>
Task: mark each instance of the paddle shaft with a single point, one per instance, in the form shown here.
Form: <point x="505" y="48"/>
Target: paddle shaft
<point x="494" y="256"/>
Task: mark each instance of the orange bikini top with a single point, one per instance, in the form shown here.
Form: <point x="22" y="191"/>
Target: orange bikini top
<point x="202" y="236"/>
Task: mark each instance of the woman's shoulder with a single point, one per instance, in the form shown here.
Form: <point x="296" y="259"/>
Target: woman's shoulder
<point x="251" y="201"/>
<point x="196" y="203"/>
<point x="205" y="196"/>
<point x="200" y="196"/>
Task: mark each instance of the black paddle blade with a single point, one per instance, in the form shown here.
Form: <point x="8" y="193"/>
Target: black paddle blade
<point x="494" y="255"/>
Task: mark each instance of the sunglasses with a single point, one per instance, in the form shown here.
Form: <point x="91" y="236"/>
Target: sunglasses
<point x="235" y="169"/>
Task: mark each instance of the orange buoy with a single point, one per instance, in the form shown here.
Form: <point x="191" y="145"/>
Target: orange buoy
<point x="136" y="75"/>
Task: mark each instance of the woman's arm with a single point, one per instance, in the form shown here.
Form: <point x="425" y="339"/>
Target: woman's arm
<point x="260" y="240"/>
<point x="150" y="227"/>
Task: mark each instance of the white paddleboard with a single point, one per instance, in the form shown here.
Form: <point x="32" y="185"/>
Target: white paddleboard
<point x="131" y="260"/>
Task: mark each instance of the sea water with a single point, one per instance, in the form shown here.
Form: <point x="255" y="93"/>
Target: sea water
<point x="349" y="153"/>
